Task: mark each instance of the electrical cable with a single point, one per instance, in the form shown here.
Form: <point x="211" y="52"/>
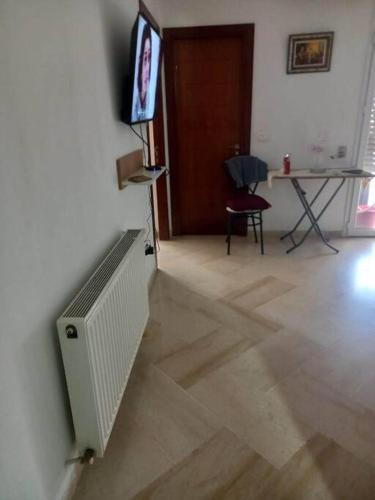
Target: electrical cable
<point x="145" y="162"/>
<point x="149" y="217"/>
<point x="149" y="229"/>
<point x="136" y="133"/>
<point x="145" y="143"/>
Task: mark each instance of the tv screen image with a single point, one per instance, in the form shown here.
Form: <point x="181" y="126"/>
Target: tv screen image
<point x="144" y="72"/>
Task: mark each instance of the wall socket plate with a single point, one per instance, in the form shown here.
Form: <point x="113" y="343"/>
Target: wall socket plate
<point x="149" y="249"/>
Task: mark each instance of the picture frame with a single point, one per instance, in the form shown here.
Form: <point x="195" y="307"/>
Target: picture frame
<point x="310" y="52"/>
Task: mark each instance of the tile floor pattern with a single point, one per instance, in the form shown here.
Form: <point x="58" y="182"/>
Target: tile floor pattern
<point x="255" y="378"/>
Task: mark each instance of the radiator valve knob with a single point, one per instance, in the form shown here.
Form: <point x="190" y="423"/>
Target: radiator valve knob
<point x="71" y="332"/>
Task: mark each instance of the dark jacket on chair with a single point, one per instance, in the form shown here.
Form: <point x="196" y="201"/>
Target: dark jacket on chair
<point x="245" y="170"/>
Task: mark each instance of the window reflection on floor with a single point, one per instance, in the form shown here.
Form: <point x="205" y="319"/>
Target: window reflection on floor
<point x="366" y="206"/>
<point x="365" y="272"/>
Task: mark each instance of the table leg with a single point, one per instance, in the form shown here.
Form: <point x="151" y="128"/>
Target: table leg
<point x="309" y="213"/>
<point x="290" y="233"/>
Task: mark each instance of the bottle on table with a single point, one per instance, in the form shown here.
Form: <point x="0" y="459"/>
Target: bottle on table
<point x="286" y="164"/>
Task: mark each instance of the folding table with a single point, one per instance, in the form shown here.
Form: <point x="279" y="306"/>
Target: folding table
<point x="295" y="176"/>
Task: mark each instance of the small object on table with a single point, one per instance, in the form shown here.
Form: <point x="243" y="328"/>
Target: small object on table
<point x="356" y="171"/>
<point x="139" y="178"/>
<point x="317" y="168"/>
<point x="153" y="168"/>
<point x="286" y="164"/>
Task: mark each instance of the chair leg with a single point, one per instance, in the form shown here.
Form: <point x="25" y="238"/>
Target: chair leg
<point x="261" y="233"/>
<point x="229" y="232"/>
<point x="254" y="229"/>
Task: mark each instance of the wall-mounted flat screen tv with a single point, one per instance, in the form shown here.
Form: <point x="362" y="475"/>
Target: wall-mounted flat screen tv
<point x="144" y="69"/>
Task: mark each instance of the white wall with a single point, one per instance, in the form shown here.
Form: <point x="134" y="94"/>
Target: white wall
<point x="61" y="67"/>
<point x="292" y="112"/>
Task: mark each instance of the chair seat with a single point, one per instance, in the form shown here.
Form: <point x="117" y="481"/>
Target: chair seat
<point x="246" y="202"/>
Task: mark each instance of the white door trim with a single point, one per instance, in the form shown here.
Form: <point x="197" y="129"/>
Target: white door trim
<point x="360" y="147"/>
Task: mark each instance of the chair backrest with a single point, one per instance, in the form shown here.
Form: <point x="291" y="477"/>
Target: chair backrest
<point x="246" y="170"/>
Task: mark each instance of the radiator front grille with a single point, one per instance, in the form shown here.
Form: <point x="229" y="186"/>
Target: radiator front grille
<point x="98" y="359"/>
<point x="90" y="293"/>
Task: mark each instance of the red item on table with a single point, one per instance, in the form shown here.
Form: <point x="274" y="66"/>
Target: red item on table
<point x="286" y="165"/>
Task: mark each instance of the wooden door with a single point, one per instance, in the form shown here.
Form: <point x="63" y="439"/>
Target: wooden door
<point x="208" y="87"/>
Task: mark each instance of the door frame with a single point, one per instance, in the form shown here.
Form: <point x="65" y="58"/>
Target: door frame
<point x="155" y="128"/>
<point x="363" y="125"/>
<point x="170" y="36"/>
<point x="156" y="142"/>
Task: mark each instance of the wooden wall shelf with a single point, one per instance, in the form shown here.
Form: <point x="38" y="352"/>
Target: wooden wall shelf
<point x="131" y="165"/>
<point x="153" y="175"/>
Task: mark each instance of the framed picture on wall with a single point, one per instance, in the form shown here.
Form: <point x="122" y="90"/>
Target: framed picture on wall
<point x="310" y="52"/>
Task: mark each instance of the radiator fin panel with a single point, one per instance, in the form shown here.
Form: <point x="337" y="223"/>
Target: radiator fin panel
<point x="99" y="360"/>
<point x="90" y="293"/>
<point x="119" y="345"/>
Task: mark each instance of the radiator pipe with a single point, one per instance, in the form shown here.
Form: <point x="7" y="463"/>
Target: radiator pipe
<point x="87" y="458"/>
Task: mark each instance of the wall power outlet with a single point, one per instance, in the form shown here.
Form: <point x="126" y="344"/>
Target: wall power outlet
<point x="341" y="151"/>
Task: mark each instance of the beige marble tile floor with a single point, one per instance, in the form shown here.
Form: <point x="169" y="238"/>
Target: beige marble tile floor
<point x="255" y="378"/>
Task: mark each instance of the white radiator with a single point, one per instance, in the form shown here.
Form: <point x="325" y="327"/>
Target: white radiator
<point x="99" y="333"/>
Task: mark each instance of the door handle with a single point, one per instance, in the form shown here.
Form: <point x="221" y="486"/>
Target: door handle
<point x="235" y="148"/>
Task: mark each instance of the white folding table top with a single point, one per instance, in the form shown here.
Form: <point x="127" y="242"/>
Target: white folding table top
<point x="308" y="174"/>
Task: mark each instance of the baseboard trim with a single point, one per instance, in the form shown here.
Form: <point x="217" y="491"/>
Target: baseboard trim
<point x="334" y="232"/>
<point x="152" y="278"/>
<point x="70" y="482"/>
